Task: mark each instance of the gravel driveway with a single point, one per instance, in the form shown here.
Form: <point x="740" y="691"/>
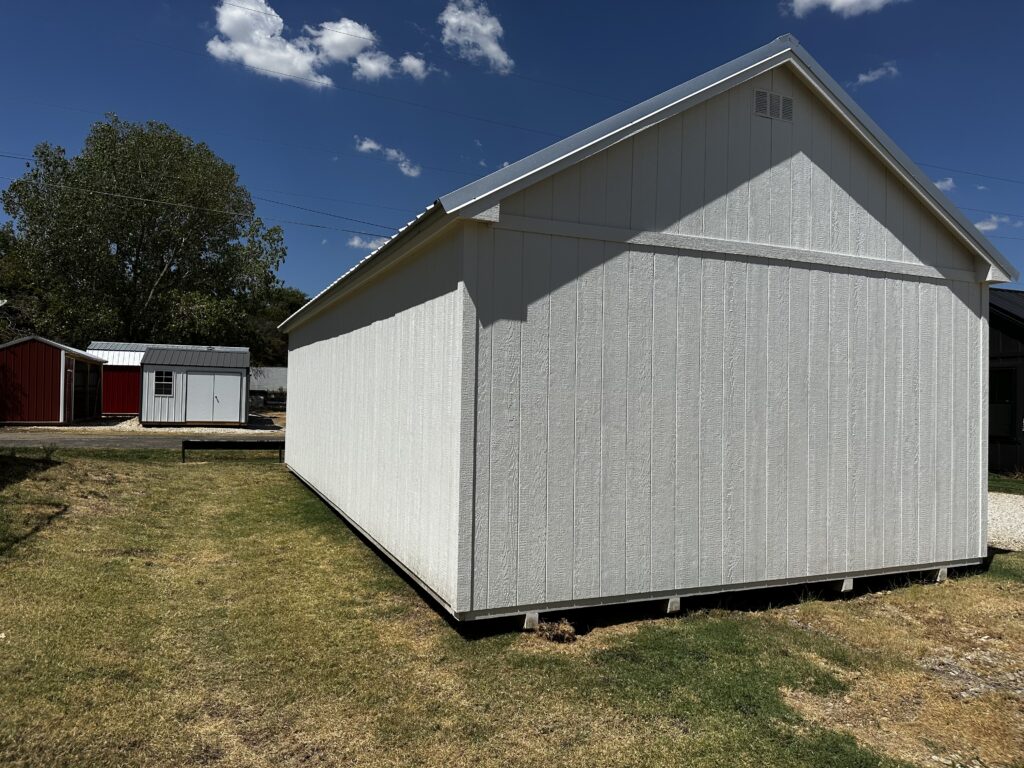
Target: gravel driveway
<point x="1006" y="520"/>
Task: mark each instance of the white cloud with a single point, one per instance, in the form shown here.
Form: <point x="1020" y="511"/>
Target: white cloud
<point x="368" y="245"/>
<point x="888" y="69"/>
<point x="946" y="185"/>
<point x="469" y="28"/>
<point x="992" y="222"/>
<point x="254" y="36"/>
<point x="341" y="40"/>
<point x="845" y="8"/>
<point x="373" y="65"/>
<point x="398" y="157"/>
<point x="980" y="187"/>
<point x="414" y="66"/>
<point x="323" y="242"/>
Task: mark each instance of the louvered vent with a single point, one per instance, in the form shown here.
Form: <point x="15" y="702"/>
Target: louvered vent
<point x="773" y="105"/>
<point x="761" y="103"/>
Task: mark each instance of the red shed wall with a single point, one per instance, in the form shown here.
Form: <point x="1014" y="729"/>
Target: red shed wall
<point x="121" y="390"/>
<point x="30" y="382"/>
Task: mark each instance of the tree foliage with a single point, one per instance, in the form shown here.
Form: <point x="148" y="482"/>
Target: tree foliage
<point x="145" y="235"/>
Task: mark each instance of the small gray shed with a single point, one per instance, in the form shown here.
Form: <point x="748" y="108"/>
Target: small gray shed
<point x="729" y="338"/>
<point x="195" y="385"/>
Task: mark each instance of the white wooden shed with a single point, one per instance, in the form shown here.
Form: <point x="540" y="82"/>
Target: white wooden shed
<point x="195" y="385"/>
<point x="729" y="338"/>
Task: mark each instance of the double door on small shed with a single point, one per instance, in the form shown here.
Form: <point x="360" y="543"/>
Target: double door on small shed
<point x="213" y="396"/>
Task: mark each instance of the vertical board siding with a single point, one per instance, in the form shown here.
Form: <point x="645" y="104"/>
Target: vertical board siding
<point x="374" y="388"/>
<point x="532" y="524"/>
<point x="639" y="426"/>
<point x="650" y="420"/>
<point x="664" y="421"/>
<point x="721" y="171"/>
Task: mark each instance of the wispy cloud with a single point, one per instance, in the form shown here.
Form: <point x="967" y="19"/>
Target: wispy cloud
<point x="946" y="185"/>
<point x="845" y="8"/>
<point x="470" y="30"/>
<point x="888" y="69"/>
<point x="996" y="220"/>
<point x="980" y="187"/>
<point x="252" y="33"/>
<point x="366" y="245"/>
<point x="414" y="66"/>
<point x="366" y="145"/>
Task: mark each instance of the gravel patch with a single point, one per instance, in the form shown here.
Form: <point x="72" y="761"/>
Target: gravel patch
<point x="1006" y="520"/>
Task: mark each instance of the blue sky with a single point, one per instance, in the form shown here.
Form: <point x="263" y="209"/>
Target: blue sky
<point x="348" y="133"/>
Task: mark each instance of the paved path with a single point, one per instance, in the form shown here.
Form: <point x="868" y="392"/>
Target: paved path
<point x="119" y="440"/>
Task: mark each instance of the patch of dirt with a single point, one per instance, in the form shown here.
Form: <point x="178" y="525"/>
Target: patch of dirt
<point x="948" y="672"/>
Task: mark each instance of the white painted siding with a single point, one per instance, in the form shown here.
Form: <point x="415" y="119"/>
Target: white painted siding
<point x="374" y="406"/>
<point x="702" y="421"/>
<point x="171" y="410"/>
<point x="718" y="170"/>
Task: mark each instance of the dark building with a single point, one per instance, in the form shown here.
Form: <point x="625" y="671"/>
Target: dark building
<point x="1006" y="380"/>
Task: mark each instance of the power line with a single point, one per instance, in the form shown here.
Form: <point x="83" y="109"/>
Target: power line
<point x="388" y="227"/>
<point x="348" y="153"/>
<point x="188" y="206"/>
<point x="324" y="213"/>
<point x="973" y="173"/>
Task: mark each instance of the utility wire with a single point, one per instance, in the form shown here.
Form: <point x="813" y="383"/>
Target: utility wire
<point x="388" y="227"/>
<point x="188" y="206"/>
<point x="318" y="150"/>
<point x="973" y="173"/>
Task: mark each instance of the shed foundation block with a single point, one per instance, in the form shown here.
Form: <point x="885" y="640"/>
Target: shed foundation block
<point x="846" y="585"/>
<point x="940" y="575"/>
<point x="672" y="605"/>
<point x="531" y="621"/>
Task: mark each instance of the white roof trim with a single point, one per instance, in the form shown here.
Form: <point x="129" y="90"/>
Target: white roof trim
<point x="57" y="344"/>
<point x="485" y="192"/>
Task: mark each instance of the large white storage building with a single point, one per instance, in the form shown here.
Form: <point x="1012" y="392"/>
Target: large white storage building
<point x="728" y="338"/>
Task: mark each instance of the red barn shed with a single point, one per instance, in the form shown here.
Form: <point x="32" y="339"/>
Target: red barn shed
<point x="44" y="382"/>
<point x="122" y="375"/>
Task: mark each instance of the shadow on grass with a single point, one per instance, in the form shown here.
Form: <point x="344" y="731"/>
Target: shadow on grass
<point x="20" y="520"/>
<point x="14" y="467"/>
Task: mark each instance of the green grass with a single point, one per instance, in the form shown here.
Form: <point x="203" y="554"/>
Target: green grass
<point x="217" y="613"/>
<point x="1006" y="483"/>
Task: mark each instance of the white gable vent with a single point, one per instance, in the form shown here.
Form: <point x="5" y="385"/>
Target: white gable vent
<point x="773" y="105"/>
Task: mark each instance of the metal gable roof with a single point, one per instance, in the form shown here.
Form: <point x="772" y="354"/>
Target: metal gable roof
<point x="197" y="357"/>
<point x="1008" y="301"/>
<point x="52" y="343"/>
<point x="485" y="192"/>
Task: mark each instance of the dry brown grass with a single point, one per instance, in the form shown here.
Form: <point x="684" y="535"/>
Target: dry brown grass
<point x="950" y="677"/>
<point x="217" y="614"/>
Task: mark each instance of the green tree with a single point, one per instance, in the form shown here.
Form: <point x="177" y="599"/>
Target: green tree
<point x="146" y="235"/>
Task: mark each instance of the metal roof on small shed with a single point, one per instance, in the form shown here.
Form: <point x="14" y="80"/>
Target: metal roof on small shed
<point x="197" y="357"/>
<point x="70" y="350"/>
<point x="1008" y="301"/>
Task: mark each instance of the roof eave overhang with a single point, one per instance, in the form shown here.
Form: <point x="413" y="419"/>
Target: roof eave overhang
<point x="415" y="234"/>
<point x="479" y="196"/>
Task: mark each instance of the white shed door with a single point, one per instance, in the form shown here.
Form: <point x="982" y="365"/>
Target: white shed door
<point x="227" y="396"/>
<point x="199" y="396"/>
